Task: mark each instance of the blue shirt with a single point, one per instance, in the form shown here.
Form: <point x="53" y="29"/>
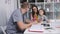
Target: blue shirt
<point x="12" y="27"/>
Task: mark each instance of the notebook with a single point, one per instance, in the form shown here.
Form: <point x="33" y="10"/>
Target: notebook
<point x="36" y="28"/>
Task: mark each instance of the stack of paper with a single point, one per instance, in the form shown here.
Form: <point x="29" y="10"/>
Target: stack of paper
<point x="37" y="28"/>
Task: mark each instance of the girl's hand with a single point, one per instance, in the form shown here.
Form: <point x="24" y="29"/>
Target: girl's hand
<point x="48" y="21"/>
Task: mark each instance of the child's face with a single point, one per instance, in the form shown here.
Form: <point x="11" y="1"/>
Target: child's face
<point x="41" y="12"/>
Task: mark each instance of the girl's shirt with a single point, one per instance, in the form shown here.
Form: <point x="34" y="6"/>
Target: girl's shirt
<point x="43" y="18"/>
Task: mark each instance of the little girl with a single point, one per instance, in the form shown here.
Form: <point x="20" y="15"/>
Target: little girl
<point x="42" y="16"/>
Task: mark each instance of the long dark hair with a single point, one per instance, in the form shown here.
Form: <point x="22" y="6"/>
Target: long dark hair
<point x="33" y="11"/>
<point x="43" y="11"/>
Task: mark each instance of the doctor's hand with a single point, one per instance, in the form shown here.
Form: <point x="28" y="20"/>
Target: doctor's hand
<point x="29" y="25"/>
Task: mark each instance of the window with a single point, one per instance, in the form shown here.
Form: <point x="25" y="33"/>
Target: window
<point x="52" y="7"/>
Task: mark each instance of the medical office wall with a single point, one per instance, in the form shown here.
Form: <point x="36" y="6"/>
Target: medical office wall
<point x="6" y="9"/>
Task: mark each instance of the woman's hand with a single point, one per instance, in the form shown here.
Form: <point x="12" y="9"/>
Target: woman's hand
<point x="35" y="22"/>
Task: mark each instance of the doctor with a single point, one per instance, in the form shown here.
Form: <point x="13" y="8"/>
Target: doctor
<point x="16" y="24"/>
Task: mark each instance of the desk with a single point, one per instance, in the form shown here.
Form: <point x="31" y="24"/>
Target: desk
<point x="53" y="31"/>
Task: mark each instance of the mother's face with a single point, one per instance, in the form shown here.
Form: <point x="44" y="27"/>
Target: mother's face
<point x="34" y="9"/>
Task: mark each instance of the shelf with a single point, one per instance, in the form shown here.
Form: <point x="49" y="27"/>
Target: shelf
<point x="48" y="2"/>
<point x="37" y="3"/>
<point x="57" y="7"/>
<point x="57" y="14"/>
<point x="56" y="2"/>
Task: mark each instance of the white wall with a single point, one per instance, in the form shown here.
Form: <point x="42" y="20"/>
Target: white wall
<point x="6" y="8"/>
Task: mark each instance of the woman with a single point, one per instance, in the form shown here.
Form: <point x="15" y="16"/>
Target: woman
<point x="34" y="14"/>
